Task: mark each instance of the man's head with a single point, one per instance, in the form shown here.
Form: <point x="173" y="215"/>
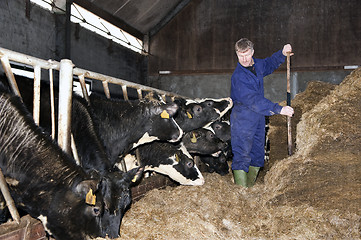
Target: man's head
<point x="244" y="51"/>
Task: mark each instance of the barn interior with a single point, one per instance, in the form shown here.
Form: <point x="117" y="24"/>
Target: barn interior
<point x="187" y="48"/>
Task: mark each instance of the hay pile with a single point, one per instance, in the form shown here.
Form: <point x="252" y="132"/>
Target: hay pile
<point x="314" y="194"/>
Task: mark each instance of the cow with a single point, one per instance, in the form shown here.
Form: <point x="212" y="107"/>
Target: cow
<point x="222" y="130"/>
<point x="124" y="125"/>
<point x="197" y="113"/>
<point x="47" y="184"/>
<point x="172" y="160"/>
<point x="217" y="164"/>
<point x="203" y="141"/>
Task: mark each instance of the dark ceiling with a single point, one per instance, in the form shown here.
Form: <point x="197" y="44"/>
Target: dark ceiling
<point x="137" y="17"/>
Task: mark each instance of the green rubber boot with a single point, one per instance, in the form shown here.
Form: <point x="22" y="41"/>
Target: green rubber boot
<point x="240" y="177"/>
<point x="252" y="175"/>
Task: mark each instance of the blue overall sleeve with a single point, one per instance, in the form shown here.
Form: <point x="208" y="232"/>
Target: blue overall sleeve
<point x="247" y="88"/>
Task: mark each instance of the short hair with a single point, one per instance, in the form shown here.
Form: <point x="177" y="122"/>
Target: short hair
<point x="243" y="45"/>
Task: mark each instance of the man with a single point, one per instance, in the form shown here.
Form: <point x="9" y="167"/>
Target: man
<point x="249" y="110"/>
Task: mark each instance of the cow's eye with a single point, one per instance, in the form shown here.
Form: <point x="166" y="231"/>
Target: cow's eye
<point x="96" y="211"/>
<point x="190" y="164"/>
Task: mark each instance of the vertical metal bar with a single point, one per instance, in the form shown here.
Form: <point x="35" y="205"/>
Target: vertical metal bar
<point x="125" y="93"/>
<point x="9" y="73"/>
<point x="83" y="88"/>
<point x="106" y="89"/>
<point x="52" y="103"/>
<point x="140" y="96"/>
<point x="74" y="150"/>
<point x="36" y="100"/>
<point x="65" y="100"/>
<point x="68" y="29"/>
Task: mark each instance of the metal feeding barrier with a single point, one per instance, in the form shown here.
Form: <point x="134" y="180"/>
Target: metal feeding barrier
<point x="67" y="71"/>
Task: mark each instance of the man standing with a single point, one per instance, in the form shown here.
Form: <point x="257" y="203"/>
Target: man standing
<point x="250" y="108"/>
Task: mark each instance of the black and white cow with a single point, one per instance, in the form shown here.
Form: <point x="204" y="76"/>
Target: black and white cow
<point x="197" y="113"/>
<point x="204" y="142"/>
<point x="124" y="125"/>
<point x="47" y="184"/>
<point x="168" y="159"/>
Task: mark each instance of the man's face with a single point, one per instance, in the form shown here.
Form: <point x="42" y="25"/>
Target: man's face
<point x="245" y="57"/>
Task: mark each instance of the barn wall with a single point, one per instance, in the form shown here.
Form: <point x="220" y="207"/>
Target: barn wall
<point x="199" y="42"/>
<point x="41" y="35"/>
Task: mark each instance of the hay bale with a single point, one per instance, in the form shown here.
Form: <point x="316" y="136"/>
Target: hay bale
<point x="314" y="194"/>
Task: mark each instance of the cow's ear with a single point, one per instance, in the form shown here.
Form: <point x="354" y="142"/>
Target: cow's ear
<point x="166" y="110"/>
<point x="197" y="110"/>
<point x="84" y="187"/>
<point x="133" y="176"/>
<point x="171" y="108"/>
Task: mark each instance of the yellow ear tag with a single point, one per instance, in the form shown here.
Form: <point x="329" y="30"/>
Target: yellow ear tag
<point x="164" y="114"/>
<point x="176" y="157"/>
<point x="90" y="198"/>
<point x="193" y="139"/>
<point x="134" y="178"/>
<point x="189" y="115"/>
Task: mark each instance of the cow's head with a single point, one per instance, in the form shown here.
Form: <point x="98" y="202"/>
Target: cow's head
<point x="160" y="124"/>
<point x="177" y="163"/>
<point x="75" y="213"/>
<point x="216" y="164"/>
<point x="203" y="141"/>
<point x="115" y="187"/>
<point x="198" y="113"/>
<point x="222" y="130"/>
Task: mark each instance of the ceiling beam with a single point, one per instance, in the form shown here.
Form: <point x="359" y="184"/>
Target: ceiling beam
<point x="168" y="17"/>
<point x="110" y="18"/>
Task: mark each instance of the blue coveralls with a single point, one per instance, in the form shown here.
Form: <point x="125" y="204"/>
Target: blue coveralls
<point x="249" y="110"/>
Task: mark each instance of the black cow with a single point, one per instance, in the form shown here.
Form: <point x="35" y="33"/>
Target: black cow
<point x="169" y="159"/>
<point x="197" y="113"/>
<point x="222" y="130"/>
<point x="46" y="183"/>
<point x="203" y="141"/>
<point x="124" y="125"/>
<point x="216" y="164"/>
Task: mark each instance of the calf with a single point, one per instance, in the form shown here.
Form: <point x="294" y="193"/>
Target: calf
<point x="46" y="183"/>
<point x="124" y="125"/>
<point x="168" y="159"/>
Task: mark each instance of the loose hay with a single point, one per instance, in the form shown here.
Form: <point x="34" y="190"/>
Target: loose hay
<point x="314" y="194"/>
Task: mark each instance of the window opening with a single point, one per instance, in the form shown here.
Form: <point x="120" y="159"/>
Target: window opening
<point x="98" y="25"/>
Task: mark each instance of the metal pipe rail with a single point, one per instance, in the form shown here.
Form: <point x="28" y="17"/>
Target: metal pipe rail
<point x="51" y="64"/>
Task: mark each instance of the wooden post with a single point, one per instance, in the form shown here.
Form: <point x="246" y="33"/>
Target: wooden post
<point x="289" y="127"/>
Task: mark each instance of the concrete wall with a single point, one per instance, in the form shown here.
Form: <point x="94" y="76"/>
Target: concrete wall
<point x="40" y="34"/>
<point x="218" y="85"/>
